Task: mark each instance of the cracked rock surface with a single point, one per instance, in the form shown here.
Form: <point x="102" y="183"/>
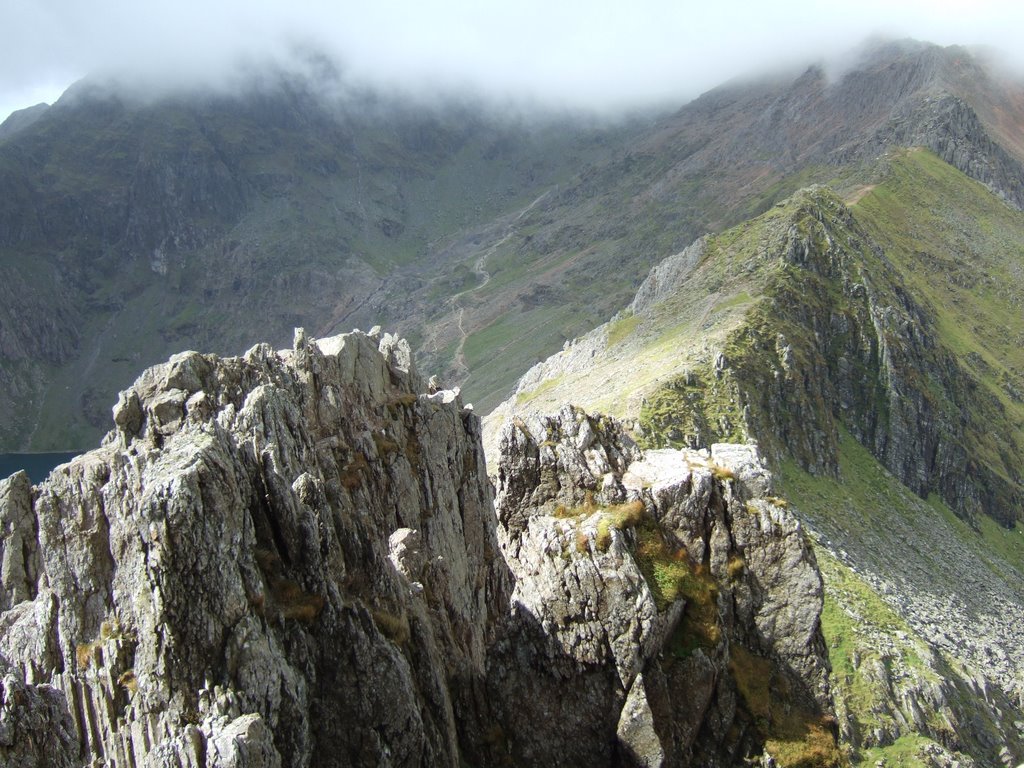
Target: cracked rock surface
<point x="295" y="558"/>
<point x="214" y="587"/>
<point x="624" y="665"/>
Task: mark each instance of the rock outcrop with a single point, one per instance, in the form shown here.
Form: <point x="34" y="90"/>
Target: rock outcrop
<point x="215" y="587"/>
<point x="36" y="730"/>
<point x="666" y="606"/>
<point x="951" y="128"/>
<point x="292" y="558"/>
<point x="668" y="276"/>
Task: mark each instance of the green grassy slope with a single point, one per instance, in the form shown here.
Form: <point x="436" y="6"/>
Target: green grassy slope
<point x="639" y="365"/>
<point x="962" y="253"/>
<point x="585" y="250"/>
<point x="879" y="326"/>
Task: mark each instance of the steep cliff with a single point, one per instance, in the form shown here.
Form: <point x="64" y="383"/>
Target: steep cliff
<point x="666" y="607"/>
<point x="271" y="558"/>
<point x="292" y="558"/>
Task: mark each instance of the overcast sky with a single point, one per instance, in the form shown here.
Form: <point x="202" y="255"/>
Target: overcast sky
<point x="576" y="53"/>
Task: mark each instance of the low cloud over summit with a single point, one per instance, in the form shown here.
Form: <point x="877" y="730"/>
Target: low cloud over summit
<point x="575" y="54"/>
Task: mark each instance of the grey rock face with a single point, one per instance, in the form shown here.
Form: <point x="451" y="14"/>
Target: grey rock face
<point x="214" y="586"/>
<point x="640" y="582"/>
<point x="637" y="736"/>
<point x="668" y="276"/>
<point x="18" y="546"/>
<point x="36" y="730"/>
<point x="949" y="126"/>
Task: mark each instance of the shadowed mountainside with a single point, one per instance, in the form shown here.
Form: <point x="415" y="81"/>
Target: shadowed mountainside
<point x="129" y="230"/>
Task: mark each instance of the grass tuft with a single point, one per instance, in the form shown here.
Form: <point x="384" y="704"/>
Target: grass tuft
<point x="736" y="566"/>
<point x="794" y="736"/>
<point x="404" y="400"/>
<point x="752" y="674"/>
<point x="128" y="681"/>
<point x="295" y="603"/>
<point x="723" y="474"/>
<point x="394" y="627"/>
<point x="352" y="474"/>
<point x="84" y="653"/>
<point x="619" y="516"/>
<point x="671" y="577"/>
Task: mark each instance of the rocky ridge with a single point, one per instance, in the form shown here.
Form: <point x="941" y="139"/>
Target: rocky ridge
<point x="833" y="336"/>
<point x="800" y="331"/>
<point x="217" y="584"/>
<point x="684" y="597"/>
<point x="292" y="558"/>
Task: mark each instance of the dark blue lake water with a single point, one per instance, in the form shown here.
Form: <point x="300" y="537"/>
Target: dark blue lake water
<point x="37" y="465"/>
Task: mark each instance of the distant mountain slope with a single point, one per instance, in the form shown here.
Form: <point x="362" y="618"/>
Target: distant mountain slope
<point x="21" y="119"/>
<point x="813" y="316"/>
<point x="129" y="230"/>
<point x="726" y="156"/>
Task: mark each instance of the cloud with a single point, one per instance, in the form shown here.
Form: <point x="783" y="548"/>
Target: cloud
<point x="574" y="53"/>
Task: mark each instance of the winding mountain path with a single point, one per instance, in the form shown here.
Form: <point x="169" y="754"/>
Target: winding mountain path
<point x="480" y="270"/>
